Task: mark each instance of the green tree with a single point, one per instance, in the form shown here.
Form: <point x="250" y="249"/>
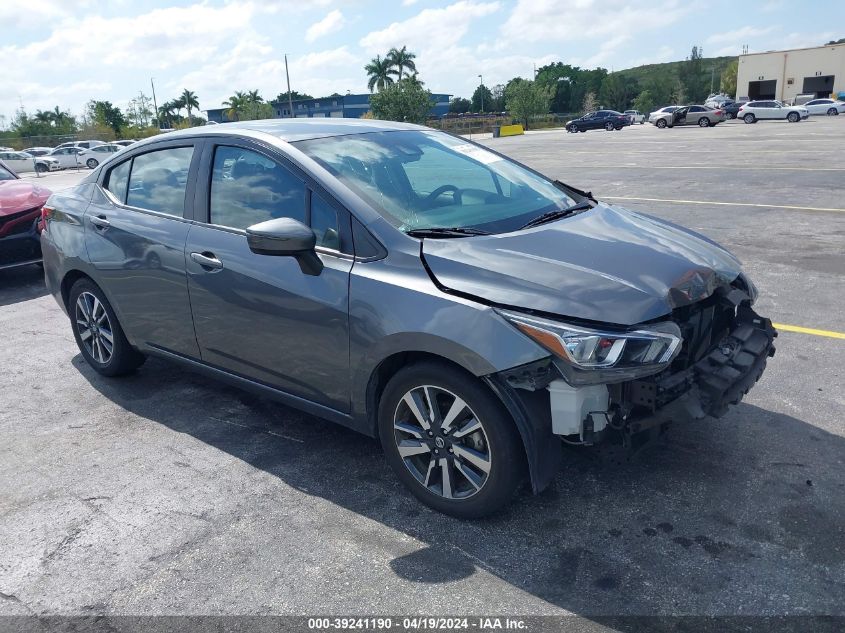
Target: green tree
<point x="459" y="105"/>
<point x="527" y="99"/>
<point x="406" y="100"/>
<point x="589" y="104"/>
<point x="294" y="95"/>
<point x="692" y="77"/>
<point x="104" y="114"/>
<point x="400" y="60"/>
<point x="379" y="73"/>
<point x="644" y="102"/>
<point x="727" y="83"/>
<point x="189" y="102"/>
<point x="236" y="106"/>
<point x="482" y="99"/>
<point x="617" y="91"/>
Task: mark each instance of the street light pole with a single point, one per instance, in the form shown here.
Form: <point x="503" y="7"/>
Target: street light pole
<point x="155" y="105"/>
<point x="290" y="97"/>
<point x="481" y="92"/>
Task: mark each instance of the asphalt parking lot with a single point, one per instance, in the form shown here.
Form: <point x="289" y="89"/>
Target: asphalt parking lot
<point x="164" y="493"/>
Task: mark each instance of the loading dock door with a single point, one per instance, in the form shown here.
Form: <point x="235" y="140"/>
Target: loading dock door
<point x="762" y="89"/>
<point x="821" y="86"/>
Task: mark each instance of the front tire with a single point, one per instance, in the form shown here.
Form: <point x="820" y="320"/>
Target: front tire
<point x="749" y="118"/>
<point x="793" y="117"/>
<point x="98" y="333"/>
<point x="450" y="440"/>
<point x="40" y="168"/>
<point x="661" y="123"/>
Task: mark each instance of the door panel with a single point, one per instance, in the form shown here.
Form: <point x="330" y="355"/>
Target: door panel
<point x="140" y="260"/>
<point x="261" y="317"/>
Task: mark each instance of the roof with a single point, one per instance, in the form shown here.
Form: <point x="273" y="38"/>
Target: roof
<point x="793" y="50"/>
<point x="292" y="130"/>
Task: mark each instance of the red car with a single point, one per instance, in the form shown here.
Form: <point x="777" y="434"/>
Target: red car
<point x="20" y="219"/>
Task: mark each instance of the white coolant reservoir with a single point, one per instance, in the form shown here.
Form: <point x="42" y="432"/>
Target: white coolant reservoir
<point x="570" y="405"/>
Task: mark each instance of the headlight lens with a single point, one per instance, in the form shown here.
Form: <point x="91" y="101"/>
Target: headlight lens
<point x="599" y="356"/>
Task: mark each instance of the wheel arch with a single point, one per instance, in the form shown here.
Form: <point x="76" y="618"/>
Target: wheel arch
<point x="528" y="410"/>
<point x="70" y="278"/>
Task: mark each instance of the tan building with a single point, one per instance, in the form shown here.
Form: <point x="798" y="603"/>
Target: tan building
<point x="783" y="75"/>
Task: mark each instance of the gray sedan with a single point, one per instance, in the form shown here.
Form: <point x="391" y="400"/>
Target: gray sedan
<point x="465" y="310"/>
<point x="699" y="115"/>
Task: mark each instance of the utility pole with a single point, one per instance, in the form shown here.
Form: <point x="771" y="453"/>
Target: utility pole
<point x="287" y="76"/>
<point x="712" y="72"/>
<point x="155" y="104"/>
<point x="481" y="93"/>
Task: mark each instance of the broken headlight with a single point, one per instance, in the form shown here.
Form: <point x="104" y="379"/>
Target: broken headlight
<point x="602" y="356"/>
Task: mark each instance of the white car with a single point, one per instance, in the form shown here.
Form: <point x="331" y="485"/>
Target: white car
<point x="67" y="156"/>
<point x="21" y="162"/>
<point x="830" y="107"/>
<point x="98" y="154"/>
<point x="635" y="116"/>
<point x="82" y="144"/>
<point x="754" y="111"/>
<point x="658" y="113"/>
<point x="38" y="151"/>
<point x="125" y="142"/>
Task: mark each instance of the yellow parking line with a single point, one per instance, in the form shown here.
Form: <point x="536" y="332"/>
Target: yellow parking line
<point x="808" y="330"/>
<point x="722" y="204"/>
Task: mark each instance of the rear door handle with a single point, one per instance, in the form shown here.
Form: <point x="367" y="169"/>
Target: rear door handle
<point x="207" y="260"/>
<point x="100" y="222"/>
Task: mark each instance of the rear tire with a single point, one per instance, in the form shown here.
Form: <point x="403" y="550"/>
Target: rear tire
<point x="749" y="118"/>
<point x="793" y="117"/>
<point x="833" y="112"/>
<point x="98" y="333"/>
<point x="470" y="471"/>
<point x="40" y="168"/>
<point x="609" y="126"/>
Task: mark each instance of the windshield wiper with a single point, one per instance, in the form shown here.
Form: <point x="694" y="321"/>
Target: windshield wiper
<point x="557" y="214"/>
<point x="439" y="231"/>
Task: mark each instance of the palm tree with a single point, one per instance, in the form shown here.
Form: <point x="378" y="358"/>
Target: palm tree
<point x="44" y="117"/>
<point x="379" y="71"/>
<point x="401" y="59"/>
<point x="254" y="99"/>
<point x="189" y="102"/>
<point x="235" y="105"/>
<point x="165" y="112"/>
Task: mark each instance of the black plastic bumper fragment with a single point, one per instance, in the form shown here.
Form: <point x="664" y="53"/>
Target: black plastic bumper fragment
<point x="710" y="386"/>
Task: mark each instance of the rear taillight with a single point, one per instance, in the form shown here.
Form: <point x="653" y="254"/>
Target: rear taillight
<point x="46" y="214"/>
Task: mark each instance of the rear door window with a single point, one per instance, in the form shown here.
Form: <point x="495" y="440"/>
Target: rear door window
<point x="158" y="180"/>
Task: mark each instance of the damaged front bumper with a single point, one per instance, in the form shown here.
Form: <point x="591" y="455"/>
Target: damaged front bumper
<point x="726" y="347"/>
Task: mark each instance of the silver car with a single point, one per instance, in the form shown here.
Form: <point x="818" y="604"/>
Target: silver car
<point x="465" y="310"/>
<point x="699" y="115"/>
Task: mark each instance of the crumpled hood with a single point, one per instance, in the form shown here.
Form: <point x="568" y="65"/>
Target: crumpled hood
<point x="20" y="195"/>
<point x="606" y="264"/>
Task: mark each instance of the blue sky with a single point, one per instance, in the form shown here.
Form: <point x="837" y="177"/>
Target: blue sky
<point x="64" y="52"/>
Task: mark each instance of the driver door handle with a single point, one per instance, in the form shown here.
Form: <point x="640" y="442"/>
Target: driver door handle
<point x="207" y="260"/>
<point x="100" y="222"/>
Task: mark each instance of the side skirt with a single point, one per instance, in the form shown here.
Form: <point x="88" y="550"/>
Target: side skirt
<point x="258" y="388"/>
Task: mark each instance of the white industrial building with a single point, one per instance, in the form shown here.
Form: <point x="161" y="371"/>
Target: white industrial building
<point x="783" y="75"/>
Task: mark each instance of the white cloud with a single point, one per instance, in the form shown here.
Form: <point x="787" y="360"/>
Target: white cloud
<point x="408" y="3"/>
<point x="561" y="20"/>
<point x="431" y="28"/>
<point x="333" y="22"/>
<point x="740" y="35"/>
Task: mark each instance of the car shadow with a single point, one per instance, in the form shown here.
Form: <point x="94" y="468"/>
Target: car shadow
<point x="742" y="515"/>
<point x="21" y="284"/>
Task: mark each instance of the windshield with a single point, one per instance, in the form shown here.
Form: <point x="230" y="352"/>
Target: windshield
<point x="423" y="180"/>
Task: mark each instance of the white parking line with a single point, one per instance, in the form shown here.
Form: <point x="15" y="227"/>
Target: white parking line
<point x="722" y="204"/>
<point x="730" y="167"/>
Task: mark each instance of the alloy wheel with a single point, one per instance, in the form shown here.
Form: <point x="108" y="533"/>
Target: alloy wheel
<point x="442" y="442"/>
<point x="94" y="326"/>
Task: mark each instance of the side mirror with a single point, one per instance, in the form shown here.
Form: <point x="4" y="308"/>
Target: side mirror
<point x="286" y="237"/>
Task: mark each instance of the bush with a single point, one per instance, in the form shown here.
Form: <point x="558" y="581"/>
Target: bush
<point x="406" y="100"/>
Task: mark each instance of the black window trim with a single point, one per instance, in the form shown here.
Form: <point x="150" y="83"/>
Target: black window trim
<point x="155" y="147"/>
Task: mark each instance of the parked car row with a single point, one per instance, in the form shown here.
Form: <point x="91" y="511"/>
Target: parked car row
<point x="36" y="159"/>
<point x="699" y="115"/>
